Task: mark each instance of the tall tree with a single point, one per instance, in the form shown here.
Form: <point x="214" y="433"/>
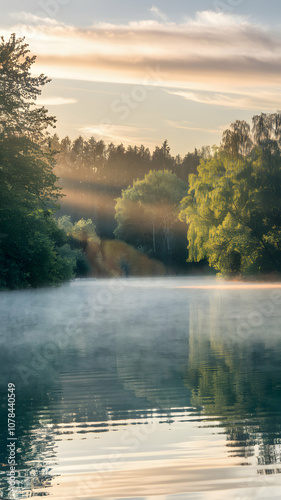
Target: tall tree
<point x="31" y="240"/>
<point x="147" y="212"/>
<point x="234" y="214"/>
<point x="236" y="140"/>
<point x="19" y="90"/>
<point x="161" y="157"/>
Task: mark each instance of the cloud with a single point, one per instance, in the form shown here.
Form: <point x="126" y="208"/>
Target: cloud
<point x="214" y="18"/>
<point x="222" y="53"/>
<point x="117" y="133"/>
<point x="55" y="101"/>
<point x="35" y="20"/>
<point x="184" y="125"/>
<point x="255" y="101"/>
<point x="158" y="13"/>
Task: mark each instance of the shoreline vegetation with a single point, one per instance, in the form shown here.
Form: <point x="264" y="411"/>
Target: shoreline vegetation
<point x="84" y="208"/>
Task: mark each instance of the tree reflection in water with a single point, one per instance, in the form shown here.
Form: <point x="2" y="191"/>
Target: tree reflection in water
<point x="236" y="379"/>
<point x="183" y="352"/>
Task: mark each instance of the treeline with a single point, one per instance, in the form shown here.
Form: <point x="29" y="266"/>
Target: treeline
<point x="232" y="210"/>
<point x="93" y="176"/>
<point x="117" y="166"/>
<point x="35" y="250"/>
<point x="226" y="200"/>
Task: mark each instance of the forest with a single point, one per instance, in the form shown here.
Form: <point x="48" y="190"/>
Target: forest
<point x="78" y="208"/>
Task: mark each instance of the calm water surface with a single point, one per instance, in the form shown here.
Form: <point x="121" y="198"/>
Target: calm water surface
<point x="165" y="389"/>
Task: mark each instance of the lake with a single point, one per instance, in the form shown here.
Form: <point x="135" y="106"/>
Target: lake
<point x="143" y="389"/>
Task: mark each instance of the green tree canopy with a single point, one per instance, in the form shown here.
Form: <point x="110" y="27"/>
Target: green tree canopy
<point x="30" y="237"/>
<point x="19" y="90"/>
<point x="83" y="230"/>
<point x="233" y="210"/>
<point x="147" y="211"/>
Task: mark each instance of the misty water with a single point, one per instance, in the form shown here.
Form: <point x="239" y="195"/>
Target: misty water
<point x="143" y="389"/>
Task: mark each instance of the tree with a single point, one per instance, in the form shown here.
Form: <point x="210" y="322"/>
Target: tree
<point x="83" y="231"/>
<point x="161" y="158"/>
<point x="31" y="239"/>
<point x="77" y="152"/>
<point x="79" y="236"/>
<point x="187" y="166"/>
<point x="19" y="90"/>
<point x="237" y="140"/>
<point x="233" y="213"/>
<point x="147" y="212"/>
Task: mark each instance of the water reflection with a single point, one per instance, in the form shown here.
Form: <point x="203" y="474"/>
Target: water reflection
<point x="237" y="378"/>
<point x="156" y="385"/>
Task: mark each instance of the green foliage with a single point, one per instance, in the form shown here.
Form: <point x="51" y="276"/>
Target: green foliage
<point x="65" y="224"/>
<point x="74" y="261"/>
<point x="79" y="235"/>
<point x="96" y="173"/>
<point x="147" y="211"/>
<point x="85" y="230"/>
<point x="30" y="238"/>
<point x="18" y="91"/>
<point x="233" y="210"/>
<point x="31" y="257"/>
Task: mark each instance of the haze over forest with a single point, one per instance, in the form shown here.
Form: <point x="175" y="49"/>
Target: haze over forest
<point x="84" y="207"/>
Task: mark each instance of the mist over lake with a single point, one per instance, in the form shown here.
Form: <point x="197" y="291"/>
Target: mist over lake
<point x="140" y="387"/>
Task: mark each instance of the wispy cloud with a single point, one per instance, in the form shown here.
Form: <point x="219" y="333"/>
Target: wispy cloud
<point x="33" y="19"/>
<point x="158" y="13"/>
<point x="256" y="100"/>
<point x="217" y="52"/>
<point x="214" y="18"/>
<point x="55" y="101"/>
<point x="185" y="125"/>
<point x="118" y="133"/>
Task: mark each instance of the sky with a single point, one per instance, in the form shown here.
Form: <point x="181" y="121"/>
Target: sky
<point x="142" y="72"/>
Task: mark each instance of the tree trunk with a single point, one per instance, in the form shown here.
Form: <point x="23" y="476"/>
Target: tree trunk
<point x="153" y="237"/>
